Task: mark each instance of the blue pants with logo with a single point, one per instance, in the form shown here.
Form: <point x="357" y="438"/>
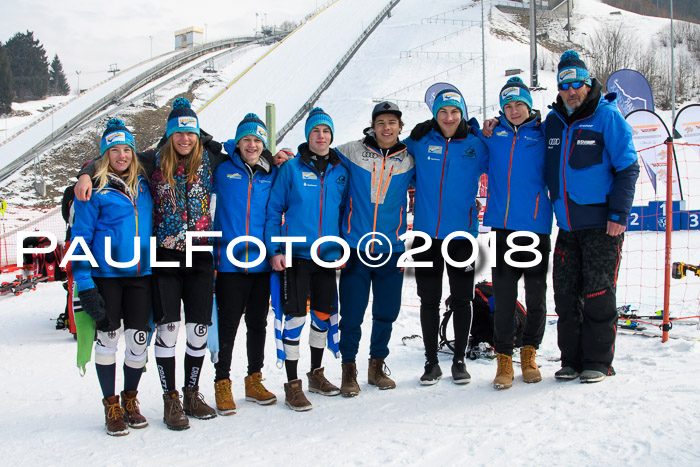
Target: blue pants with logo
<point x="355" y="282"/>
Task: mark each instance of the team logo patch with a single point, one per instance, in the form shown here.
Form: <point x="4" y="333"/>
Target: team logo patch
<point x="140" y="337"/>
<point x="116" y="137"/>
<point x="502" y="133"/>
<point x="186" y="122"/>
<point x="451" y="96"/>
<point x="309" y="176"/>
<point x="234" y="176"/>
<point x="261" y="133"/>
<point x="435" y="149"/>
<point x="510" y="93"/>
<point x="585" y="142"/>
<point x="567" y="73"/>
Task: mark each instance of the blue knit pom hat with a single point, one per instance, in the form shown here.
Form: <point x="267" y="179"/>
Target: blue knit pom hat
<point x="318" y="117"/>
<point x="515" y="90"/>
<point x="116" y="133"/>
<point x="449" y="97"/>
<point x="182" y="118"/>
<point x="572" y="68"/>
<point x="252" y="125"/>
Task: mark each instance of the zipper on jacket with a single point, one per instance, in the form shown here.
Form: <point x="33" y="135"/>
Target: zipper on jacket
<point x="136" y="218"/>
<point x="537" y="204"/>
<point x="247" y="218"/>
<point x="400" y="222"/>
<point x="376" y="200"/>
<point x="442" y="177"/>
<point x="350" y="215"/>
<point x="510" y="169"/>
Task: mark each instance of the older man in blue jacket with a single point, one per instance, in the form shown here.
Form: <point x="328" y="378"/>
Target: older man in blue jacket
<point x="591" y="170"/>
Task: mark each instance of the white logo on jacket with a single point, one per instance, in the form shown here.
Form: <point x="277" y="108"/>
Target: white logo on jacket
<point x="435" y="149"/>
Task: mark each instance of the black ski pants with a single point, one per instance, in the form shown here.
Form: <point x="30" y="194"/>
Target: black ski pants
<point x="239" y="294"/>
<point x="585" y="266"/>
<point x="505" y="280"/>
<point x="429" y="284"/>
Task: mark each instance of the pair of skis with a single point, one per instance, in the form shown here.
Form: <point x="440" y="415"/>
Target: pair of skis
<point x="20" y="284"/>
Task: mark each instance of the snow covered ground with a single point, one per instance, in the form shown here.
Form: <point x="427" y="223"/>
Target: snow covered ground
<point x="645" y="415"/>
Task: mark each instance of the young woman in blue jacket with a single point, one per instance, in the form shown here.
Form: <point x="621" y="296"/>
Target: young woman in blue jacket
<point x="115" y="225"/>
<point x="242" y="185"/>
<point x="518" y="202"/>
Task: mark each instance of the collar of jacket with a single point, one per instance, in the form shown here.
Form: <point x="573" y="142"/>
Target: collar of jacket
<point x="370" y="141"/>
<point x="587" y="107"/>
<point x="264" y="163"/>
<point x="462" y="129"/>
<point x="305" y="153"/>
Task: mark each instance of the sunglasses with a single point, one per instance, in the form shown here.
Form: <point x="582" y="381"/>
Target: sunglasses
<point x="575" y="85"/>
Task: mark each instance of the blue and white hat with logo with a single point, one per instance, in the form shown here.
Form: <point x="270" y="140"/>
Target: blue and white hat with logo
<point x="515" y="90"/>
<point x="182" y="118"/>
<point x="449" y="97"/>
<point x="572" y="68"/>
<point x="252" y="125"/>
<point x="116" y="133"/>
<point x="318" y="117"/>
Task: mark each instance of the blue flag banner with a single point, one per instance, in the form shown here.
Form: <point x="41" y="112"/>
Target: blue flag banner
<point x="633" y="91"/>
<point x="435" y="89"/>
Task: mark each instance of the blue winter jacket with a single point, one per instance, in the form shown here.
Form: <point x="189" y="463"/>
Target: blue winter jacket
<point x="377" y="194"/>
<point x="591" y="163"/>
<point x="447" y="181"/>
<point x="111" y="213"/>
<point x="517" y="192"/>
<point x="312" y="205"/>
<point x="241" y="199"/>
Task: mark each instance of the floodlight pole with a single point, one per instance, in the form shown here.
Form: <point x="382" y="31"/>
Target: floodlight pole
<point x="533" y="45"/>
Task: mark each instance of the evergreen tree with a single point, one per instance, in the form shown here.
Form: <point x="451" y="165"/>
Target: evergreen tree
<point x="6" y="92"/>
<point x="30" y="68"/>
<point x="58" y="85"/>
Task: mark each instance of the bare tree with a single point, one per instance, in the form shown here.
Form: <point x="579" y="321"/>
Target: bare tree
<point x="612" y="48"/>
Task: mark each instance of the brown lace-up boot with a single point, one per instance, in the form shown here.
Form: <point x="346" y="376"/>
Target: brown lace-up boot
<point x="294" y="396"/>
<point x="132" y="412"/>
<point x="194" y="404"/>
<point x="114" y="417"/>
<point x="349" y="386"/>
<point x="504" y="374"/>
<point x="531" y="373"/>
<point x="173" y="415"/>
<point x="320" y="385"/>
<point x="256" y="392"/>
<point x="224" y="399"/>
<point x="377" y="374"/>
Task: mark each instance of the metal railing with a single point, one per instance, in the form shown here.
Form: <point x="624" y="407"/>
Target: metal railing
<point x="144" y="78"/>
<point x="308" y="105"/>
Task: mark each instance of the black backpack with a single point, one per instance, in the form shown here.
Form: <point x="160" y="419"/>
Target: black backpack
<point x="482" y="320"/>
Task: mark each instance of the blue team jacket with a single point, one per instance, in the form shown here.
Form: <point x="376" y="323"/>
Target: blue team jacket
<point x="517" y="192"/>
<point x="241" y="199"/>
<point x="312" y="205"/>
<point x="447" y="181"/>
<point x="111" y="213"/>
<point x="591" y="164"/>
